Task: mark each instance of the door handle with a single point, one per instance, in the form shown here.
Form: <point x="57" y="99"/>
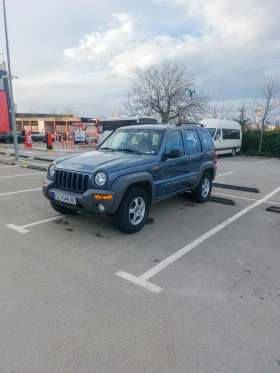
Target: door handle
<point x="183" y="162"/>
<point x="202" y="157"/>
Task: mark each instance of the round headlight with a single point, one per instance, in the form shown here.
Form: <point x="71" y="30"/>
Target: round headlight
<point x="51" y="170"/>
<point x="100" y="179"/>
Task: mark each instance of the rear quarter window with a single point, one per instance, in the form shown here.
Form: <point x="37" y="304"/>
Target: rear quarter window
<point x="207" y="139"/>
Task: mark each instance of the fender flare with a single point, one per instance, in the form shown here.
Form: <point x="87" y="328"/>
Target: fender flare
<point x="121" y="184"/>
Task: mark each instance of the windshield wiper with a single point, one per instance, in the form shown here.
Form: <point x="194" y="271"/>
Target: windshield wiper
<point x="129" y="150"/>
<point x="112" y="149"/>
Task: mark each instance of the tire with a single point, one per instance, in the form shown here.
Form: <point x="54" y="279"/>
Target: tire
<point x="202" y="192"/>
<point x="133" y="199"/>
<point x="7" y="141"/>
<point x="62" y="210"/>
<point x="233" y="153"/>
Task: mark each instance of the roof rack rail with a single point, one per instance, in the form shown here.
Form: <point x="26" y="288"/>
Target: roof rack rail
<point x="189" y="124"/>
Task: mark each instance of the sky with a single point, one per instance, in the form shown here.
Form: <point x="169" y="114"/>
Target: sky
<point x="80" y="54"/>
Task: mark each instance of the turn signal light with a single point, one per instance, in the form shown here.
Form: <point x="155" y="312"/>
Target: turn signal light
<point x="100" y="196"/>
<point x="43" y="184"/>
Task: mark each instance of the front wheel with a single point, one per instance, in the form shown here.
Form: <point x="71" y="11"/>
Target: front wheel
<point x="62" y="210"/>
<point x="133" y="211"/>
<point x="7" y="141"/>
<point x="202" y="192"/>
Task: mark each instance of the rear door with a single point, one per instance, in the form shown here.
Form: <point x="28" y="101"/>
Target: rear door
<point x="195" y="155"/>
<point x="172" y="174"/>
<point x="208" y="144"/>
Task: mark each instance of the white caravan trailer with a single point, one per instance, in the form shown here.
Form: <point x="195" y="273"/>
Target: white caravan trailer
<point x="227" y="135"/>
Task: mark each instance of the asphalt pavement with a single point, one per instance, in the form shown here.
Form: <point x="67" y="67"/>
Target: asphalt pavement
<point x="65" y="308"/>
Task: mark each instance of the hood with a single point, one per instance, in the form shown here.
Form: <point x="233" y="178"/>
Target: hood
<point x="107" y="161"/>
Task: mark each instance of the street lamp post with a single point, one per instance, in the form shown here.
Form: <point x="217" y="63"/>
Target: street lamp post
<point x="13" y="115"/>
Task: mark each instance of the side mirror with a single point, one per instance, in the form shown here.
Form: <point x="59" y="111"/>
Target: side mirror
<point x="174" y="153"/>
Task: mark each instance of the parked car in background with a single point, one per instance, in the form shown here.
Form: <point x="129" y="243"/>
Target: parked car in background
<point x="227" y="135"/>
<point x="45" y="139"/>
<point x="37" y="136"/>
<point x="7" y="137"/>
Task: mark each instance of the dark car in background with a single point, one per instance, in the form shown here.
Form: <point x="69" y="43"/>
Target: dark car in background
<point x="7" y="137"/>
<point x="37" y="136"/>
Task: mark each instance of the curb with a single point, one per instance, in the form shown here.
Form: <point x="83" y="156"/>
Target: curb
<point x="34" y="167"/>
<point x="43" y="159"/>
<point x="224" y="201"/>
<point x="236" y="187"/>
<point x="20" y="155"/>
<point x="8" y="162"/>
<point x="273" y="209"/>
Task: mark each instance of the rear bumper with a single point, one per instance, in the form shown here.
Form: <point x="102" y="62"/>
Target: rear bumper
<point x="85" y="202"/>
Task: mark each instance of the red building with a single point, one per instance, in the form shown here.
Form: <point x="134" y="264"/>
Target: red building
<point x="4" y="100"/>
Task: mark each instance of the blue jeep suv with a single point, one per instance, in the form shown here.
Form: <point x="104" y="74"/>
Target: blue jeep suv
<point x="134" y="167"/>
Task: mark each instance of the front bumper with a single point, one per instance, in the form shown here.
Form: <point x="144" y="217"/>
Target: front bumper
<point x="85" y="202"/>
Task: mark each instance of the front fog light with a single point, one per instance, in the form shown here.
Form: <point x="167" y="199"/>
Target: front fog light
<point x="101" y="208"/>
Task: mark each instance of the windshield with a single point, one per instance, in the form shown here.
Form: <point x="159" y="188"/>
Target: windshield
<point x="211" y="131"/>
<point x="142" y="141"/>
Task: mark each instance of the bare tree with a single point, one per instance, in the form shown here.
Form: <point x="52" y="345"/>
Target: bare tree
<point x="220" y="109"/>
<point x="69" y="111"/>
<point x="167" y="91"/>
<point x="242" y="117"/>
<point x="269" y="93"/>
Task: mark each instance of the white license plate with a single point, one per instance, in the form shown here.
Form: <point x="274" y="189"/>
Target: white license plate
<point x="64" y="198"/>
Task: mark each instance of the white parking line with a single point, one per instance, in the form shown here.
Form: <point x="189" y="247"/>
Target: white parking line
<point x="19" y="191"/>
<point x="8" y="166"/>
<point x="37" y="164"/>
<point x="143" y="279"/>
<point x="34" y="173"/>
<point x="228" y="173"/>
<point x="268" y="160"/>
<point x="21" y="229"/>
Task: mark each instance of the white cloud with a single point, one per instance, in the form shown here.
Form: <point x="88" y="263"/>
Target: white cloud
<point x="100" y="46"/>
<point x="226" y="43"/>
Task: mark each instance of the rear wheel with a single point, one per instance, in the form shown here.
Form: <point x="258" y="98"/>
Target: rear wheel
<point x="62" y="210"/>
<point x="233" y="153"/>
<point x="202" y="192"/>
<point x="133" y="211"/>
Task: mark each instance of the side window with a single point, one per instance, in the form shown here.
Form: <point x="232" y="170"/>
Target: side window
<point x="218" y="134"/>
<point x="174" y="141"/>
<point x="193" y="142"/>
<point x="229" y="134"/>
<point x="207" y="140"/>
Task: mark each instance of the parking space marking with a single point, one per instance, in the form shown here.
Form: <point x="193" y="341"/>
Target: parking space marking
<point x="19" y="191"/>
<point x="8" y="166"/>
<point x="21" y="228"/>
<point x="268" y="160"/>
<point x="143" y="279"/>
<point x="34" y="173"/>
<point x="228" y="173"/>
<point x="38" y="164"/>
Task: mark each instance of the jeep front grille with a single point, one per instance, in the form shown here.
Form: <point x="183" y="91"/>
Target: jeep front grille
<point x="73" y="181"/>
